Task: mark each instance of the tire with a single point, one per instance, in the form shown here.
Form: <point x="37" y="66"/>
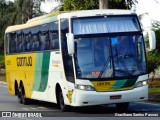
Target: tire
<point x="122" y="107"/>
<point x="61" y="103"/>
<point x="23" y="98"/>
<point x="19" y="95"/>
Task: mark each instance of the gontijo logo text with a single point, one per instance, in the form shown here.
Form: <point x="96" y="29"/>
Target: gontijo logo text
<point x="24" y="61"/>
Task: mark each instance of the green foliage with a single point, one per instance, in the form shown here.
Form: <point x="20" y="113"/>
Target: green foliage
<point x="153" y="61"/>
<point x="6" y="17"/>
<point x="12" y="13"/>
<point x="80" y="4"/>
<point x="1" y="59"/>
<point x="94" y="4"/>
<point x="2" y="63"/>
<point x="27" y="9"/>
<point x="154" y="90"/>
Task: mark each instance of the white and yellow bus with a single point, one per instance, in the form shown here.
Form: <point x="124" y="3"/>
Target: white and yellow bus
<point x="80" y="58"/>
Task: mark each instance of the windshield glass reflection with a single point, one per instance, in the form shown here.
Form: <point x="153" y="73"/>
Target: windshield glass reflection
<point x="107" y="57"/>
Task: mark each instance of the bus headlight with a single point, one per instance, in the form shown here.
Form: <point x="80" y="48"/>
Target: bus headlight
<point x="141" y="83"/>
<point x="85" y="87"/>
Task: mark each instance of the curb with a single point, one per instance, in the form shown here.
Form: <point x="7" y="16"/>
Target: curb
<point x="154" y="100"/>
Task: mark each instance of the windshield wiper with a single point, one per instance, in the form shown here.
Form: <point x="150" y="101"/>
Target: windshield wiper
<point x="124" y="65"/>
<point x="107" y="62"/>
<point x="105" y="66"/>
<point x="122" y="61"/>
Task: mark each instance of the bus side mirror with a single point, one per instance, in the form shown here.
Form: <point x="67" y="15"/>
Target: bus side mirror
<point x="70" y="43"/>
<point x="151" y="37"/>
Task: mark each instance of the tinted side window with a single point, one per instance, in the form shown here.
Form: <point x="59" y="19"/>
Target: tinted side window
<point x="28" y="42"/>
<point x="18" y="40"/>
<point x="38" y="38"/>
<point x="36" y="42"/>
<point x="12" y="43"/>
<point x="44" y="40"/>
<point x="7" y="43"/>
<point x="67" y="59"/>
<point x="54" y="40"/>
<point x="53" y="35"/>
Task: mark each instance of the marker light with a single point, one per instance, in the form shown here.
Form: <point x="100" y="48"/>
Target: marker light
<point x="85" y="87"/>
<point x="141" y="83"/>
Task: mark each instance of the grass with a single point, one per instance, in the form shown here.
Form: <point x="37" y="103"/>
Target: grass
<point x="2" y="58"/>
<point x="154" y="90"/>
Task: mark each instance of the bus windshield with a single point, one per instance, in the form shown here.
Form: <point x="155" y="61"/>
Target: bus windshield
<point x="110" y="57"/>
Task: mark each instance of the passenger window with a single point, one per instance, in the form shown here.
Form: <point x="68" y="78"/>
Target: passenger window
<point x="7" y="43"/>
<point x="28" y="42"/>
<point x="36" y="43"/>
<point x="19" y="46"/>
<point x="44" y="40"/>
<point x="54" y="41"/>
<point x="12" y="42"/>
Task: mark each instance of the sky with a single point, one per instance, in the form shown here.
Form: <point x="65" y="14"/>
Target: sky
<point x="151" y="7"/>
<point x="49" y="6"/>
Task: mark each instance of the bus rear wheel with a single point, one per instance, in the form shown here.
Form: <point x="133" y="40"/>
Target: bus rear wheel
<point x="122" y="107"/>
<point x="61" y="103"/>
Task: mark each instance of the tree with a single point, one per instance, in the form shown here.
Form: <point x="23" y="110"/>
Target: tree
<point x="17" y="12"/>
<point x="153" y="57"/>
<point x="94" y="4"/>
<point x="27" y="9"/>
<point x="103" y="4"/>
<point x="6" y="16"/>
<point x="80" y="5"/>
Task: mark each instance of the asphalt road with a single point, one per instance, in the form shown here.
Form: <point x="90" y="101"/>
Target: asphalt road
<point x="9" y="103"/>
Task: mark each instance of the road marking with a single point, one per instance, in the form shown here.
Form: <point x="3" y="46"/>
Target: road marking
<point x="148" y="103"/>
<point x="24" y="118"/>
<point x="25" y="109"/>
<point x="33" y="108"/>
<point x="41" y="107"/>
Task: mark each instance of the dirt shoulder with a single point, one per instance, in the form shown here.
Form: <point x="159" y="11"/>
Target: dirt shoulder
<point x="154" y="97"/>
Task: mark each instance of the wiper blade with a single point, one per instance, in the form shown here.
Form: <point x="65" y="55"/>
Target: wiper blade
<point x="124" y="65"/>
<point x="104" y="68"/>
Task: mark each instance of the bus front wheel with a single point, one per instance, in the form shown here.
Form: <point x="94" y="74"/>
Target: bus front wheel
<point x="61" y="103"/>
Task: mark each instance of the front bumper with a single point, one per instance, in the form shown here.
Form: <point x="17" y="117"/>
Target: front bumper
<point x="88" y="98"/>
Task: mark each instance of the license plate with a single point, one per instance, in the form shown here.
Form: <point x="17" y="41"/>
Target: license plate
<point x="114" y="97"/>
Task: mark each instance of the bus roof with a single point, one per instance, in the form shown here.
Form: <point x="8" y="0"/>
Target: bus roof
<point x="85" y="13"/>
<point x="58" y="15"/>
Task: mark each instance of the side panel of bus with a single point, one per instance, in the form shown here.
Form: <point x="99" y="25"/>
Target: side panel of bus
<point x="39" y="73"/>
